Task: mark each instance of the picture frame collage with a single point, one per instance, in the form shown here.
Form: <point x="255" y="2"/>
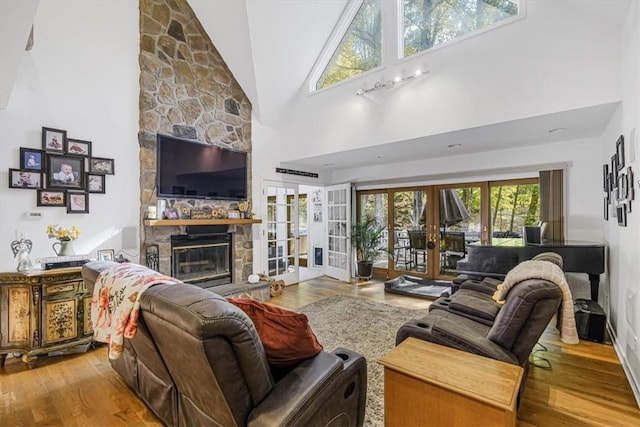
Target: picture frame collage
<point x="617" y="183"/>
<point x="63" y="172"/>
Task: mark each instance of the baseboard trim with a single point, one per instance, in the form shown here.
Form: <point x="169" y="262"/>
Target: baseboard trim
<point x="625" y="366"/>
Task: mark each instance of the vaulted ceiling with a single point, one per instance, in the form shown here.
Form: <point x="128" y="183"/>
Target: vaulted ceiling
<point x="272" y="45"/>
<point x="269" y="45"/>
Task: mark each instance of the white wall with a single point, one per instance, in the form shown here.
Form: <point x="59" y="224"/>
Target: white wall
<point x="624" y="242"/>
<point x="535" y="66"/>
<point x="81" y="76"/>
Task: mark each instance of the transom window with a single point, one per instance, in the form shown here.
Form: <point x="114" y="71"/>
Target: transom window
<point x="406" y="27"/>
<point x="428" y="23"/>
<point x="360" y="49"/>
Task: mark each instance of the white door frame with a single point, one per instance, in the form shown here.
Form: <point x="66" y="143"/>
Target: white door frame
<point x="338" y="240"/>
<point x="279" y="264"/>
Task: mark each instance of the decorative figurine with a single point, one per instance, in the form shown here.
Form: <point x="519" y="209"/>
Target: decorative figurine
<point x="22" y="248"/>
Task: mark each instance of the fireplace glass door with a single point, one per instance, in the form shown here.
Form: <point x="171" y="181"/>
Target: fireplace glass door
<point x="202" y="260"/>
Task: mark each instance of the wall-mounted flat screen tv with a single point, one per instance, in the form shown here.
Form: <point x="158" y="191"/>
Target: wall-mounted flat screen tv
<point x="193" y="170"/>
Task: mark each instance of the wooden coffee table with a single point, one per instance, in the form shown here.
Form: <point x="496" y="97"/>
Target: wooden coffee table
<point x="428" y="384"/>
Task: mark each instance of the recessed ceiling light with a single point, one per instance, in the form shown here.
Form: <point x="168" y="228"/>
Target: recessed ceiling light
<point x="454" y="145"/>
<point x="328" y="164"/>
<point x="556" y="130"/>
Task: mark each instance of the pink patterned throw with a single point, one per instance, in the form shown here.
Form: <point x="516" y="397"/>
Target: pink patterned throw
<point x="115" y="304"/>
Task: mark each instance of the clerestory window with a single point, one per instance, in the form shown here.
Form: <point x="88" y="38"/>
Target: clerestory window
<point x="428" y="23"/>
<point x="360" y="49"/>
<point x="406" y="27"/>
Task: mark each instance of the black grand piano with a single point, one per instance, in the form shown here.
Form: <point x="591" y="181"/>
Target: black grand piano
<point x="495" y="258"/>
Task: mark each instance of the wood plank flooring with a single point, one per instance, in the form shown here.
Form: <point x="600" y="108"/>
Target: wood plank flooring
<point x="585" y="387"/>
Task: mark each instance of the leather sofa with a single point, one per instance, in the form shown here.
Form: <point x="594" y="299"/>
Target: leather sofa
<point x="510" y="336"/>
<point x="196" y="359"/>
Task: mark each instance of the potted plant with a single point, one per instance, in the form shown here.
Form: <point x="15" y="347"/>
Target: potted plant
<point x="368" y="239"/>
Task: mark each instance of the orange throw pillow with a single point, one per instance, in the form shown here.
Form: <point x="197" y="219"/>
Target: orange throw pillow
<point x="286" y="335"/>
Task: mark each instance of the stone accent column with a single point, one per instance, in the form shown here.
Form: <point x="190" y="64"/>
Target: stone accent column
<point x="187" y="90"/>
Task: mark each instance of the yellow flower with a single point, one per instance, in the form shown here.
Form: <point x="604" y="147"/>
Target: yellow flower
<point x="57" y="232"/>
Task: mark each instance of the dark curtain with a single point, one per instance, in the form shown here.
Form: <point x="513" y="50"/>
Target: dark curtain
<point x="552" y="203"/>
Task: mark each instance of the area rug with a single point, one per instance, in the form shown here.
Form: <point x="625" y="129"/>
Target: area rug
<point x="418" y="287"/>
<point x="366" y="327"/>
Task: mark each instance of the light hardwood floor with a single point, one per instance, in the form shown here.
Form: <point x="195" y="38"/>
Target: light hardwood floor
<point x="585" y="387"/>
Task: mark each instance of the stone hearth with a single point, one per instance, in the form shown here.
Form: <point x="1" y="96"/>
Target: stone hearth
<point x="187" y="90"/>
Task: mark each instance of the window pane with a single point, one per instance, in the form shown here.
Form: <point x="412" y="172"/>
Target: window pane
<point x="360" y="49"/>
<point x="459" y="224"/>
<point x="513" y="207"/>
<point x="376" y="206"/>
<point x="428" y="23"/>
<point x="410" y="220"/>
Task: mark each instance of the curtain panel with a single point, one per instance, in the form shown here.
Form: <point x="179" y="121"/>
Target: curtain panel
<point x="552" y="203"/>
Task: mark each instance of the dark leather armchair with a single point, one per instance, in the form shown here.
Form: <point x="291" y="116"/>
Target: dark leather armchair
<point x="197" y="360"/>
<point x="510" y="337"/>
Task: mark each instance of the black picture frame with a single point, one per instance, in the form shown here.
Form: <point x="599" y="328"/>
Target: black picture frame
<point x="31" y="159"/>
<point x="621" y="188"/>
<point x="52" y="198"/>
<point x="606" y="208"/>
<point x="605" y="178"/>
<point x="631" y="189"/>
<point x="25" y="179"/>
<point x="614" y="172"/>
<point x="620" y="153"/>
<point x="55" y="177"/>
<point x="78" y="147"/>
<point x="101" y="166"/>
<point x="622" y="215"/>
<point x="96" y="183"/>
<point x="77" y="202"/>
<point x="53" y="140"/>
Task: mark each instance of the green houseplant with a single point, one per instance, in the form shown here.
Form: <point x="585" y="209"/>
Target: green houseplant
<point x="368" y="239"/>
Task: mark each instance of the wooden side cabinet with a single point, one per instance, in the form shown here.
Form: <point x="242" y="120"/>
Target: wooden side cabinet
<point x="43" y="311"/>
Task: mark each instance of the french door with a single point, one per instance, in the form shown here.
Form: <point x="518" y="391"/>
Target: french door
<point x="281" y="235"/>
<point x="428" y="227"/>
<point x="338" y="242"/>
<point x="413" y="233"/>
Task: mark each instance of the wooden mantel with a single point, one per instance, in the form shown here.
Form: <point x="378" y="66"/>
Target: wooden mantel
<point x="178" y="222"/>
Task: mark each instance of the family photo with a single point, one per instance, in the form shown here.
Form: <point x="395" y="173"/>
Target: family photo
<point x="65" y="171"/>
<point x="31" y="159"/>
<point x="25" y="179"/>
<point x="53" y="139"/>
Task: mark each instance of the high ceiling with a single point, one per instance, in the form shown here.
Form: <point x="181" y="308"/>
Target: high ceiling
<point x="285" y="38"/>
<point x="272" y="45"/>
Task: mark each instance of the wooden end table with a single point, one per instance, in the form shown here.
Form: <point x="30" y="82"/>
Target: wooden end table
<point x="428" y="384"/>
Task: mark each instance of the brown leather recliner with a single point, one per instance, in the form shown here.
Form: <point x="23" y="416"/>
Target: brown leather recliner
<point x="516" y="329"/>
<point x="197" y="360"/>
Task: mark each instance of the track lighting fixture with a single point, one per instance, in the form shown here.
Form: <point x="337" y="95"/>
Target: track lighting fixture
<point x="380" y="84"/>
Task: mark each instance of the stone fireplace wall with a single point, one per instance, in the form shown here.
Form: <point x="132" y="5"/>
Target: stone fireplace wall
<point x="187" y="90"/>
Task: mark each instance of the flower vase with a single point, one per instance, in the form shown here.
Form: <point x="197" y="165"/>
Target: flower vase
<point x="65" y="248"/>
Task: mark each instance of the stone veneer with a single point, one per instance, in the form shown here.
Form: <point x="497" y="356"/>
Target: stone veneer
<point x="187" y="90"/>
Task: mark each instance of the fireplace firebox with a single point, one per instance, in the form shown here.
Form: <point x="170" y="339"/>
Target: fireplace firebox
<point x="202" y="259"/>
